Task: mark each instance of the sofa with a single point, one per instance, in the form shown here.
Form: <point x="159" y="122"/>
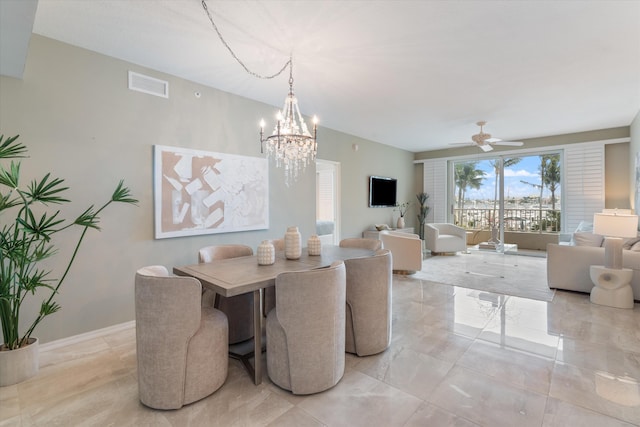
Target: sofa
<point x="568" y="265"/>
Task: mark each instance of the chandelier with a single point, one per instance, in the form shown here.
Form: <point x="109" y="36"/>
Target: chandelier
<point x="291" y="145"/>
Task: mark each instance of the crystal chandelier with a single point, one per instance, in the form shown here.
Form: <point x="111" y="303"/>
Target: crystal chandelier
<point x="291" y="145"/>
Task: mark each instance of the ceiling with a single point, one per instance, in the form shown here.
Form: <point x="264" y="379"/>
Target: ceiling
<point x="411" y="74"/>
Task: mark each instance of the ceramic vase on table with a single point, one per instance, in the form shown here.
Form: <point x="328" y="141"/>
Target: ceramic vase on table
<point x="314" y="245"/>
<point x="266" y="253"/>
<point x="292" y="243"/>
<point x="400" y="223"/>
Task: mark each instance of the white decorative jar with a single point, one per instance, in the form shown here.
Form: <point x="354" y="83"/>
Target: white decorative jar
<point x="400" y="223"/>
<point x="292" y="243"/>
<point x="314" y="245"/>
<point x="266" y="253"/>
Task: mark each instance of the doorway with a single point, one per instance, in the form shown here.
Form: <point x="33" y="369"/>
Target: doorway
<point x="328" y="201"/>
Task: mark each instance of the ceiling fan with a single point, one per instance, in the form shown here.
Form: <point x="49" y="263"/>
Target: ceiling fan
<point x="484" y="140"/>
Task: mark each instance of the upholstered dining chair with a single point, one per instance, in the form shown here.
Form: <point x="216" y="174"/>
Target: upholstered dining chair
<point x="181" y="347"/>
<point x="368" y="315"/>
<point x="239" y="309"/>
<point x="306" y="330"/>
<point x="355" y="242"/>
<point x="269" y="301"/>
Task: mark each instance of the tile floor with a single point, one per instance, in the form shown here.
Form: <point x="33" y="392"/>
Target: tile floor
<point x="459" y="357"/>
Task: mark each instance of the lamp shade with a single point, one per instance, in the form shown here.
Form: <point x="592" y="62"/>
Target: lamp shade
<point x="615" y="225"/>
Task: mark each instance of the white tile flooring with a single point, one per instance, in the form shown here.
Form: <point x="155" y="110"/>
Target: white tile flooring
<point x="459" y="357"/>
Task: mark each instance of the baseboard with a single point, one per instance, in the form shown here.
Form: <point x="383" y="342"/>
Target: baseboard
<point x="63" y="342"/>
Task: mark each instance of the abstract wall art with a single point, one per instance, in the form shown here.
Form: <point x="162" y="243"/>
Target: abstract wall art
<point x="200" y="192"/>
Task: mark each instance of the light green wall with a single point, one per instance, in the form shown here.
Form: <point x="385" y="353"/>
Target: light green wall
<point x="74" y="112"/>
<point x="634" y="176"/>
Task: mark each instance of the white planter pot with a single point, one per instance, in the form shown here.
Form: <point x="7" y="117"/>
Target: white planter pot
<point x="19" y="365"/>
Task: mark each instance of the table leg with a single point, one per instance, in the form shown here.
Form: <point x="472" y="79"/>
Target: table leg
<point x="257" y="336"/>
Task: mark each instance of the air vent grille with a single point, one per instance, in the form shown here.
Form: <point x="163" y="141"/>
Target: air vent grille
<point x="148" y="85"/>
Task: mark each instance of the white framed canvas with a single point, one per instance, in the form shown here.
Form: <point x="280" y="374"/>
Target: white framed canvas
<point x="201" y="192"/>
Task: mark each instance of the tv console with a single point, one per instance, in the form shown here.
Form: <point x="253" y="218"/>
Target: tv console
<point x="375" y="234"/>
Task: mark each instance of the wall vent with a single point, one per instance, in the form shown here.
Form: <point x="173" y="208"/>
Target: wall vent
<point x="149" y="85"/>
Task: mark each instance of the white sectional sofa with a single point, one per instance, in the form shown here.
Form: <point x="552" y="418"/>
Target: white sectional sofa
<point x="568" y="265"/>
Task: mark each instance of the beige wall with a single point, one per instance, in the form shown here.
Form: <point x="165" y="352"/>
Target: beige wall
<point x="616" y="182"/>
<point x="74" y="112"/>
<point x="634" y="165"/>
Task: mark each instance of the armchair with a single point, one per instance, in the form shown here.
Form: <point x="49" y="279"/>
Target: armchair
<point x="406" y="251"/>
<point x="443" y="237"/>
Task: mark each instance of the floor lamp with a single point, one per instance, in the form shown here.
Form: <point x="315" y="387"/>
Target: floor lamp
<point x="612" y="282"/>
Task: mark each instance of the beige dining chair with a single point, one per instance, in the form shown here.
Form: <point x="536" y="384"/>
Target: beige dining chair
<point x="239" y="309"/>
<point x="355" y="242"/>
<point x="369" y="295"/>
<point x="181" y="347"/>
<point x="269" y="301"/>
<point x="306" y="330"/>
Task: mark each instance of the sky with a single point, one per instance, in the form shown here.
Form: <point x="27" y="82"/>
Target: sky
<point x="526" y="170"/>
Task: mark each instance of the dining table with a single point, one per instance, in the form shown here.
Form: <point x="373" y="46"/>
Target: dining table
<point x="236" y="276"/>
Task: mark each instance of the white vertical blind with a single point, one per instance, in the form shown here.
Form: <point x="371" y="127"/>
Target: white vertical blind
<point x="435" y="185"/>
<point x="324" y="190"/>
<point x="583" y="189"/>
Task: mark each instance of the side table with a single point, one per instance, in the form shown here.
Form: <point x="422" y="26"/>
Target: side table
<point x="612" y="286"/>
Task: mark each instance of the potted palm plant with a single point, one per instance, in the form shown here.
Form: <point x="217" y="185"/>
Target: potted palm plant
<point x="423" y="211"/>
<point x="27" y="225"/>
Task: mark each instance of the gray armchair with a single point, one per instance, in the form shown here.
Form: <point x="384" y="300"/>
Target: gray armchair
<point x="368" y="316"/>
<point x="181" y="347"/>
<point x="306" y="330"/>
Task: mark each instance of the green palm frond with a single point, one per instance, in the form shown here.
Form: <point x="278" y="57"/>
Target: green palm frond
<point x="10" y="149"/>
<point x="47" y="190"/>
<point x="123" y="194"/>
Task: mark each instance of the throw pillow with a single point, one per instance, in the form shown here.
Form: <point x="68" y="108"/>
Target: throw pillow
<point x="588" y="239"/>
<point x="636" y="247"/>
<point x="628" y="243"/>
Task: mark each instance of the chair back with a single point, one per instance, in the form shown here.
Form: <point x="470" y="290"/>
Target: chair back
<point x="168" y="315"/>
<point x="369" y="299"/>
<point x="310" y="308"/>
<point x="212" y="253"/>
<point x="371" y="244"/>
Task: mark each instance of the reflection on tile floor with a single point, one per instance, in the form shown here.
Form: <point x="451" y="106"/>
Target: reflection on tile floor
<point x="459" y="357"/>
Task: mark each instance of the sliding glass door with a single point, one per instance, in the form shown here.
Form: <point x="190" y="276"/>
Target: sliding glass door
<point x="497" y="197"/>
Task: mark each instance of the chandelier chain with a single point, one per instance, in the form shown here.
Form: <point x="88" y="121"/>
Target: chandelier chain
<point x="224" y="42"/>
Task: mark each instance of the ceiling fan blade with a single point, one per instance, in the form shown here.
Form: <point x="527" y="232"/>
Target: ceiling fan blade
<point x="511" y="143"/>
<point x="492" y="140"/>
<point x="485" y="147"/>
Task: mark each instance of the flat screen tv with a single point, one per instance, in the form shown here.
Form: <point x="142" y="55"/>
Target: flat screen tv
<point x="382" y="191"/>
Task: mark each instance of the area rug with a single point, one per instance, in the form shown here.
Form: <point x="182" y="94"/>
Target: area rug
<point x="521" y="276"/>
